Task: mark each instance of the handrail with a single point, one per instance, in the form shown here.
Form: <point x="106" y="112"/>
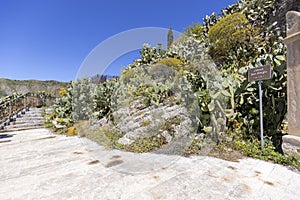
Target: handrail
<point x="13" y="104"/>
<point x="11" y="100"/>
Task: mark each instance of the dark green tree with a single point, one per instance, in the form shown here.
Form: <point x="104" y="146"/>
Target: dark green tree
<point x="170" y="37"/>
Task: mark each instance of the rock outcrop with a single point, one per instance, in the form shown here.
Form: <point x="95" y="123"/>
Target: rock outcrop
<point x="138" y="121"/>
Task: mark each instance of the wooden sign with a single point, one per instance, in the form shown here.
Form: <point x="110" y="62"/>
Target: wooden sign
<point x="260" y="73"/>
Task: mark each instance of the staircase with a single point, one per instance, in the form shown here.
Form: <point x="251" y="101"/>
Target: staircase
<point x="31" y="119"/>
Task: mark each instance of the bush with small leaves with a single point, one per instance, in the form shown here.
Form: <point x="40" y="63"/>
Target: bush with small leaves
<point x="230" y="34"/>
<point x="174" y="63"/>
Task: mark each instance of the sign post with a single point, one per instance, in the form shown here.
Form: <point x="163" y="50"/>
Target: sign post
<point x="261" y="116"/>
<point x="259" y="74"/>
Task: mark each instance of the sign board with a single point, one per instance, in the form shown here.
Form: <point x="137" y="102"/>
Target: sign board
<point x="259" y="73"/>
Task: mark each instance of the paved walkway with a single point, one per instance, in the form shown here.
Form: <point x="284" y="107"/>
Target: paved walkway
<point x="36" y="164"/>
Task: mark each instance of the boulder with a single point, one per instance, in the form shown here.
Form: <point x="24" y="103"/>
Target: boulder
<point x="291" y="144"/>
<point x="138" y="121"/>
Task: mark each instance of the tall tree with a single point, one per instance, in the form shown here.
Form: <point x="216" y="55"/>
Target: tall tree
<point x="170" y="37"/>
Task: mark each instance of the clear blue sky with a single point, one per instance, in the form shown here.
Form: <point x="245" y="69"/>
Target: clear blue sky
<point x="49" y="39"/>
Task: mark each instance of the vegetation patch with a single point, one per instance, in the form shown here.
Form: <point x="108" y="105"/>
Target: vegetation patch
<point x="72" y="131"/>
<point x="108" y="138"/>
<point x="230" y="32"/>
<point x="175" y="63"/>
<point x="240" y="147"/>
<point x="104" y="136"/>
<point x="170" y="124"/>
<point x="143" y="145"/>
<point x="251" y="148"/>
<point x="145" y="123"/>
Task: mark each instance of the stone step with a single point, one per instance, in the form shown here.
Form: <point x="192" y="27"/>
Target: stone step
<point x="27" y="122"/>
<point x="34" y="109"/>
<point x="25" y="119"/>
<point x="23" y="125"/>
<point x="32" y="115"/>
<point x="32" y="119"/>
<point x="29" y="116"/>
<point x="21" y="129"/>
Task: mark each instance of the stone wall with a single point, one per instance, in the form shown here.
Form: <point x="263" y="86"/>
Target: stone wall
<point x="291" y="142"/>
<point x="293" y="71"/>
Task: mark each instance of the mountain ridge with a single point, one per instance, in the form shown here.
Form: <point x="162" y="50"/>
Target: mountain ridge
<point x="11" y="86"/>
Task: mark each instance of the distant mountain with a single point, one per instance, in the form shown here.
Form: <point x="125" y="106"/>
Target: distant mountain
<point x="102" y="78"/>
<point x="8" y="86"/>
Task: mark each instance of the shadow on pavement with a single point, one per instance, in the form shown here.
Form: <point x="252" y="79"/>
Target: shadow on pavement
<point x="4" y="136"/>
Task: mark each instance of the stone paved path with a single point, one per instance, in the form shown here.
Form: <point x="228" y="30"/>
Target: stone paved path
<point x="35" y="164"/>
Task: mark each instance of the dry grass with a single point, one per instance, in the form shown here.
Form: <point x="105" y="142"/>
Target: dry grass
<point x="96" y="134"/>
<point x="225" y="153"/>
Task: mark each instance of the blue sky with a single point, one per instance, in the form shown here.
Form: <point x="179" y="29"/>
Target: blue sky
<point x="50" y="39"/>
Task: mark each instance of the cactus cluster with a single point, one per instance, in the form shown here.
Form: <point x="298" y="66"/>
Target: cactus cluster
<point x="263" y="45"/>
<point x="211" y="60"/>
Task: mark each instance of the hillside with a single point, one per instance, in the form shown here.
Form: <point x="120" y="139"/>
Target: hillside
<point x="194" y="97"/>
<point x="8" y="87"/>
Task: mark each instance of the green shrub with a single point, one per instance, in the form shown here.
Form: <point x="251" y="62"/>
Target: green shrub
<point x="127" y="74"/>
<point x="102" y="99"/>
<point x="251" y="148"/>
<point x="145" y="84"/>
<point x="174" y="63"/>
<point x="229" y="34"/>
<point x="63" y="106"/>
<point x="196" y="30"/>
<point x="149" y="56"/>
<point x="82" y="99"/>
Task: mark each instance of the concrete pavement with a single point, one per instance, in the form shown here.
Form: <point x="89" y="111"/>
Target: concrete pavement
<point x="36" y="164"/>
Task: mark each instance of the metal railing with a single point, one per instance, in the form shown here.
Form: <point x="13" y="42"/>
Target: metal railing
<point x="16" y="105"/>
